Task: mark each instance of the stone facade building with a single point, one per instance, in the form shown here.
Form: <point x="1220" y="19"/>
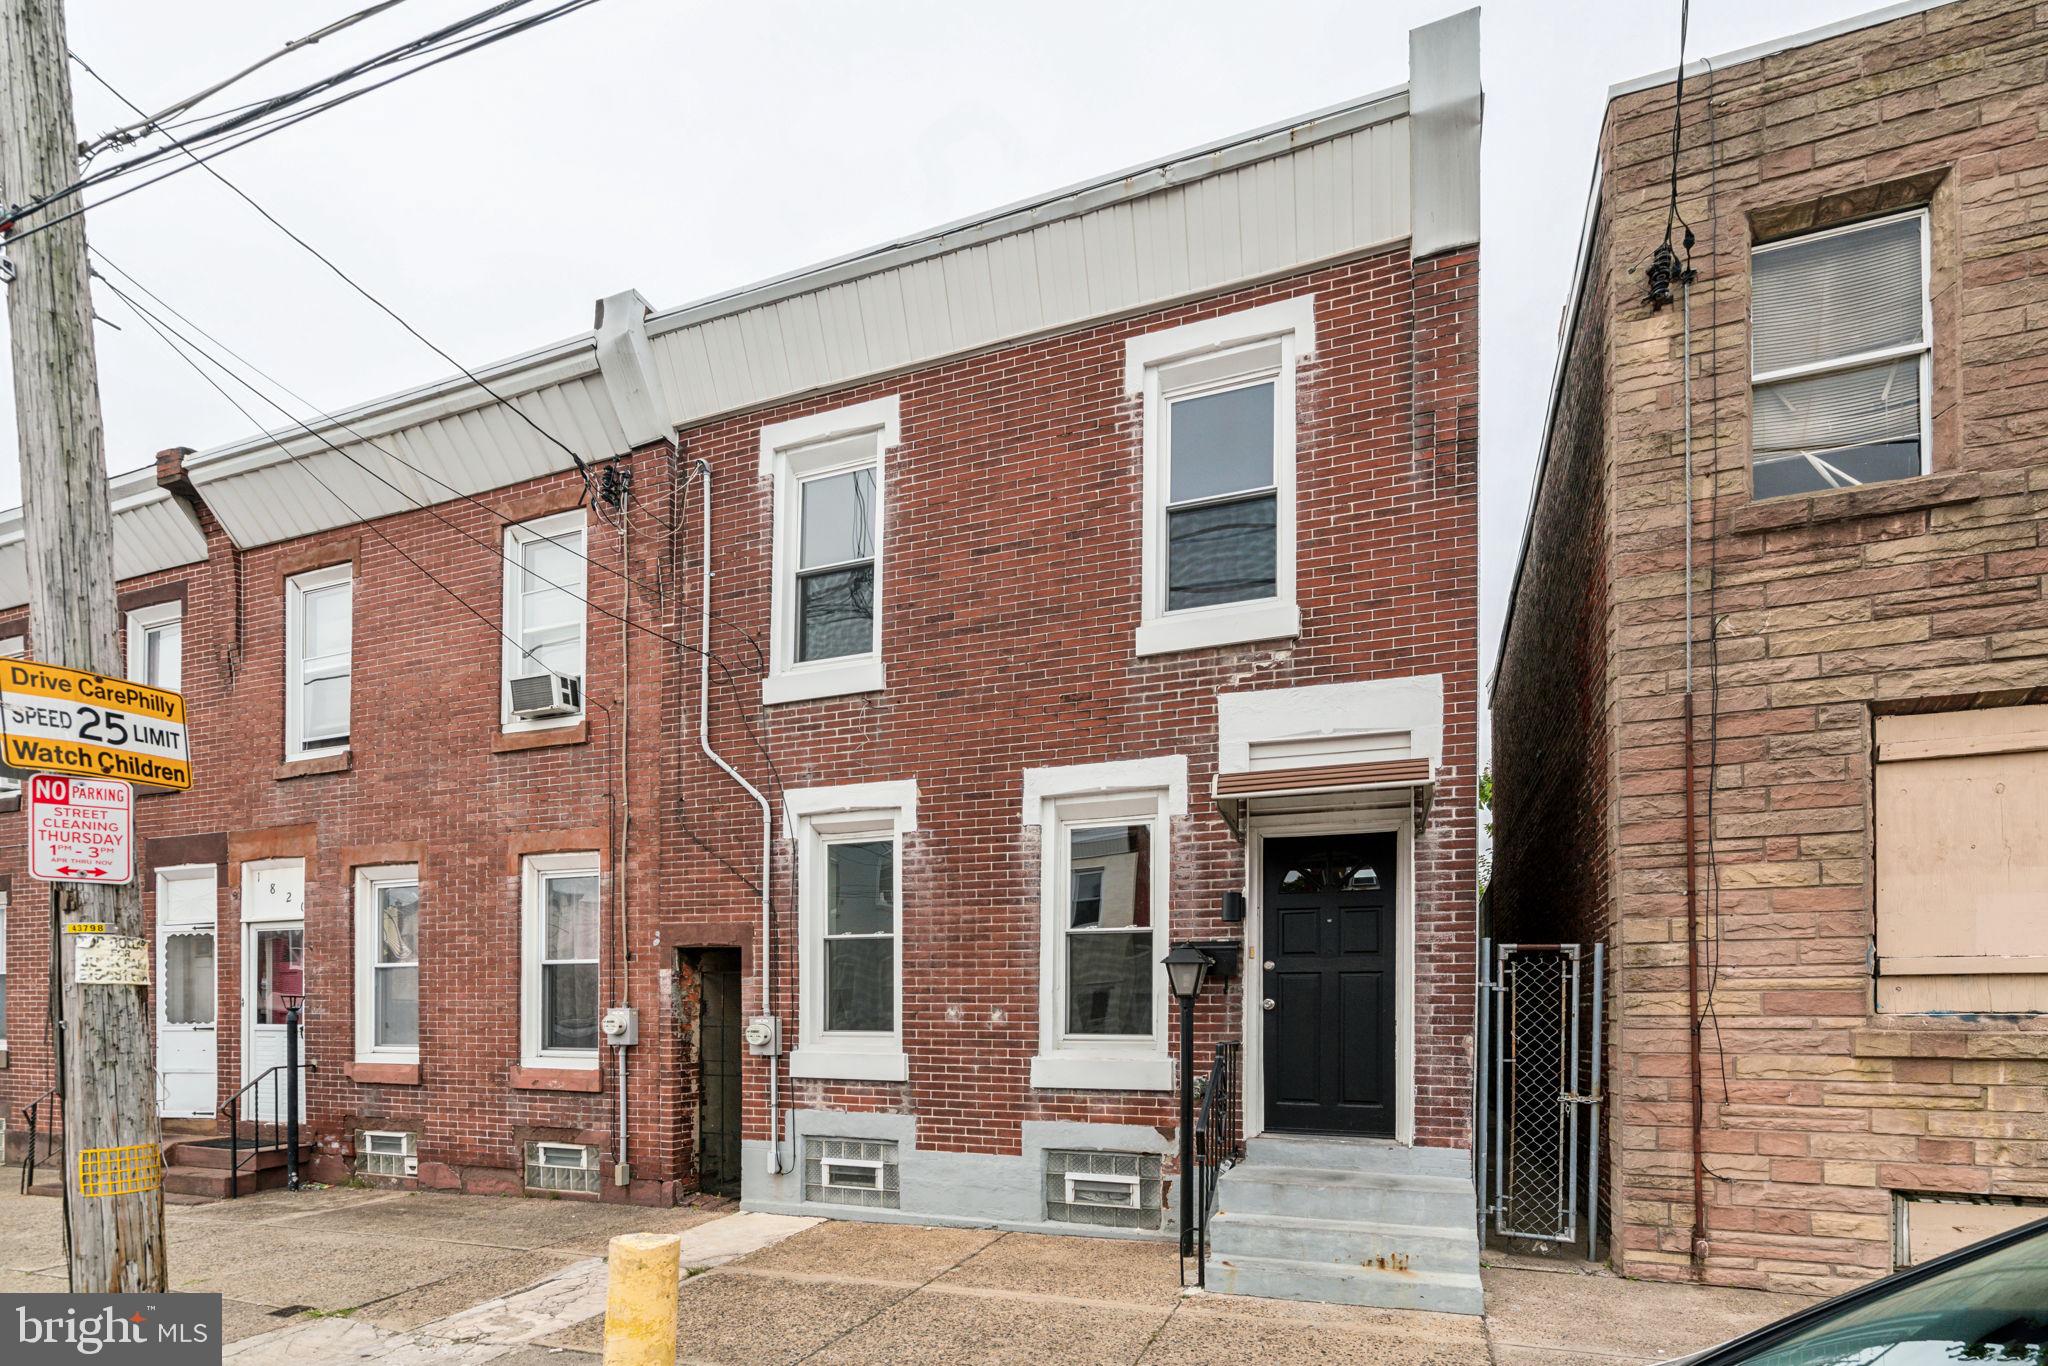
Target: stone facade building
<point x="1824" y="907"/>
<point x="956" y="628"/>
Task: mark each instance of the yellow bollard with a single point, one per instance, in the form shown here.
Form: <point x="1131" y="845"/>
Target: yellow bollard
<point x="644" y="1270"/>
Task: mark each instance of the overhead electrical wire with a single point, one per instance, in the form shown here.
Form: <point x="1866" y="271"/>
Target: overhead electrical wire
<point x="172" y="338"/>
<point x="127" y="134"/>
<point x="575" y="457"/>
<point x="14" y="214"/>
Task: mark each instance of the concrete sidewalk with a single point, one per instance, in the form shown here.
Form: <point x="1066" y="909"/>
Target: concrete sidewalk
<point x="425" y="1279"/>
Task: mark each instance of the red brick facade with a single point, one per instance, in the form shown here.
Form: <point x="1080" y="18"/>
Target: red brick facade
<point x="1814" y="618"/>
<point x="1012" y="586"/>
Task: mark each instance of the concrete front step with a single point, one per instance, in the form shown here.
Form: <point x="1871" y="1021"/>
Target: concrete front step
<point x="213" y="1182"/>
<point x="1346" y="1242"/>
<point x="217" y="1153"/>
<point x="1382" y="1156"/>
<point x="1326" y="1193"/>
<point x="1285" y="1279"/>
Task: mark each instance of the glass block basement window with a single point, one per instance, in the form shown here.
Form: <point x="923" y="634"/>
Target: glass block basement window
<point x="561" y="1167"/>
<point x="851" y="1171"/>
<point x="385" y="1154"/>
<point x="1113" y="1190"/>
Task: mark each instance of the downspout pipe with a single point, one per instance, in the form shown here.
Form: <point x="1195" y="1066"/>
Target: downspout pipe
<point x="775" y="1166"/>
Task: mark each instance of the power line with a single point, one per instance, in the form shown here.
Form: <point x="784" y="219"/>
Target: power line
<point x="388" y="454"/>
<point x="256" y="113"/>
<point x="124" y="135"/>
<point x="166" y="332"/>
<point x="582" y="466"/>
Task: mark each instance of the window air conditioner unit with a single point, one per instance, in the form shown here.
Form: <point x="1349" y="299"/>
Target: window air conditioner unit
<point x="539" y="695"/>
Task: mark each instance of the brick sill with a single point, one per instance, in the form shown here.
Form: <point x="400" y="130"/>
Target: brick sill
<point x="1875" y="500"/>
<point x="10" y="804"/>
<point x="325" y="763"/>
<point x="512" y="741"/>
<point x="586" y="1079"/>
<point x="383" y="1073"/>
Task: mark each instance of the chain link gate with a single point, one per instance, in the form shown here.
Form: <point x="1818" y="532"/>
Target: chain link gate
<point x="1541" y="1026"/>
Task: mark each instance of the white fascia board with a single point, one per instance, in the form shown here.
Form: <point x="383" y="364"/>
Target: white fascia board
<point x="522" y="375"/>
<point x="130" y="488"/>
<point x="1147" y="178"/>
<point x="1699" y="66"/>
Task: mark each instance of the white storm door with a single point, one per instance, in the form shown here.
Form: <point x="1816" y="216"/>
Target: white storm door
<point x="273" y="978"/>
<point x="187" y="1049"/>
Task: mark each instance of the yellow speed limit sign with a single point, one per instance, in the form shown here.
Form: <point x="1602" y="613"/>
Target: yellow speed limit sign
<point x="57" y="720"/>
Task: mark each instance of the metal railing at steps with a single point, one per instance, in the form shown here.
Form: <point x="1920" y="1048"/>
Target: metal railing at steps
<point x="1219" y="1145"/>
<point x="280" y="1118"/>
<point x="38" y="1119"/>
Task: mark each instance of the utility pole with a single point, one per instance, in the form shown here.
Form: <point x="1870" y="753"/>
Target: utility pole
<point x="116" y="1240"/>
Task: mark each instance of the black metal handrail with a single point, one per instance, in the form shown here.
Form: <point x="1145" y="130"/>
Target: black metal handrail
<point x="282" y="1092"/>
<point x="33" y="1114"/>
<point x="1219" y="1145"/>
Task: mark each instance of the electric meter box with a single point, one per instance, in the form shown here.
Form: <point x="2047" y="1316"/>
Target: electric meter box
<point x="620" y="1026"/>
<point x="764" y="1036"/>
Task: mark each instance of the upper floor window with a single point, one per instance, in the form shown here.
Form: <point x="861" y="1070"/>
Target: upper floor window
<point x="544" y="622"/>
<point x="3" y="970"/>
<point x="829" y="518"/>
<point x="1218" y="541"/>
<point x="563" y="916"/>
<point x="319" y="632"/>
<point x="388" y="964"/>
<point x="156" y="645"/>
<point x="1840" y="363"/>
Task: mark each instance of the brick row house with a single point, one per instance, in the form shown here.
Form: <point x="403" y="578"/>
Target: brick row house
<point x="865" y="678"/>
<point x="1822" y="893"/>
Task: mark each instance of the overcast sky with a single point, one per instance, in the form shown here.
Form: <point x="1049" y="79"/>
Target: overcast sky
<point x="681" y="149"/>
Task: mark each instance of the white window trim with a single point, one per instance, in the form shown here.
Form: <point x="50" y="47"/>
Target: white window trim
<point x="143" y="620"/>
<point x="295" y="589"/>
<point x="11" y="647"/>
<point x="791" y="453"/>
<point x="368" y="881"/>
<point x="533" y="870"/>
<point x="819" y="816"/>
<point x="1924" y="348"/>
<point x="3" y="972"/>
<point x="1153" y="791"/>
<point x="1149" y="361"/>
<point x="513" y="662"/>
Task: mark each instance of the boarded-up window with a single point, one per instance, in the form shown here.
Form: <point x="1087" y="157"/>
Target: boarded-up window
<point x="1962" y="861"/>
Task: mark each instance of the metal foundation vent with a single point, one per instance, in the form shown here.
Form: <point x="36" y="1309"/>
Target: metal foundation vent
<point x="1113" y="1190"/>
<point x="851" y="1171"/>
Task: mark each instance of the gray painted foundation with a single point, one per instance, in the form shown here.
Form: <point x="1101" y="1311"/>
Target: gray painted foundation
<point x="965" y="1190"/>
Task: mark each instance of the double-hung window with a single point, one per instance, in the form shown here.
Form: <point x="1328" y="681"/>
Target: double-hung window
<point x="1218" y="541"/>
<point x="1103" y="882"/>
<point x="563" y="926"/>
<point x="319" y="636"/>
<point x="829" y="518"/>
<point x="1840" y="358"/>
<point x="388" y="964"/>
<point x="850" y="964"/>
<point x="156" y="645"/>
<point x="544" y="622"/>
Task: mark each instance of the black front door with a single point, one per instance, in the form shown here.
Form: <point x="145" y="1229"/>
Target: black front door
<point x="1329" y="946"/>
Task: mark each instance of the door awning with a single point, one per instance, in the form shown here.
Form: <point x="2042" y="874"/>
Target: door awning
<point x="1234" y="792"/>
